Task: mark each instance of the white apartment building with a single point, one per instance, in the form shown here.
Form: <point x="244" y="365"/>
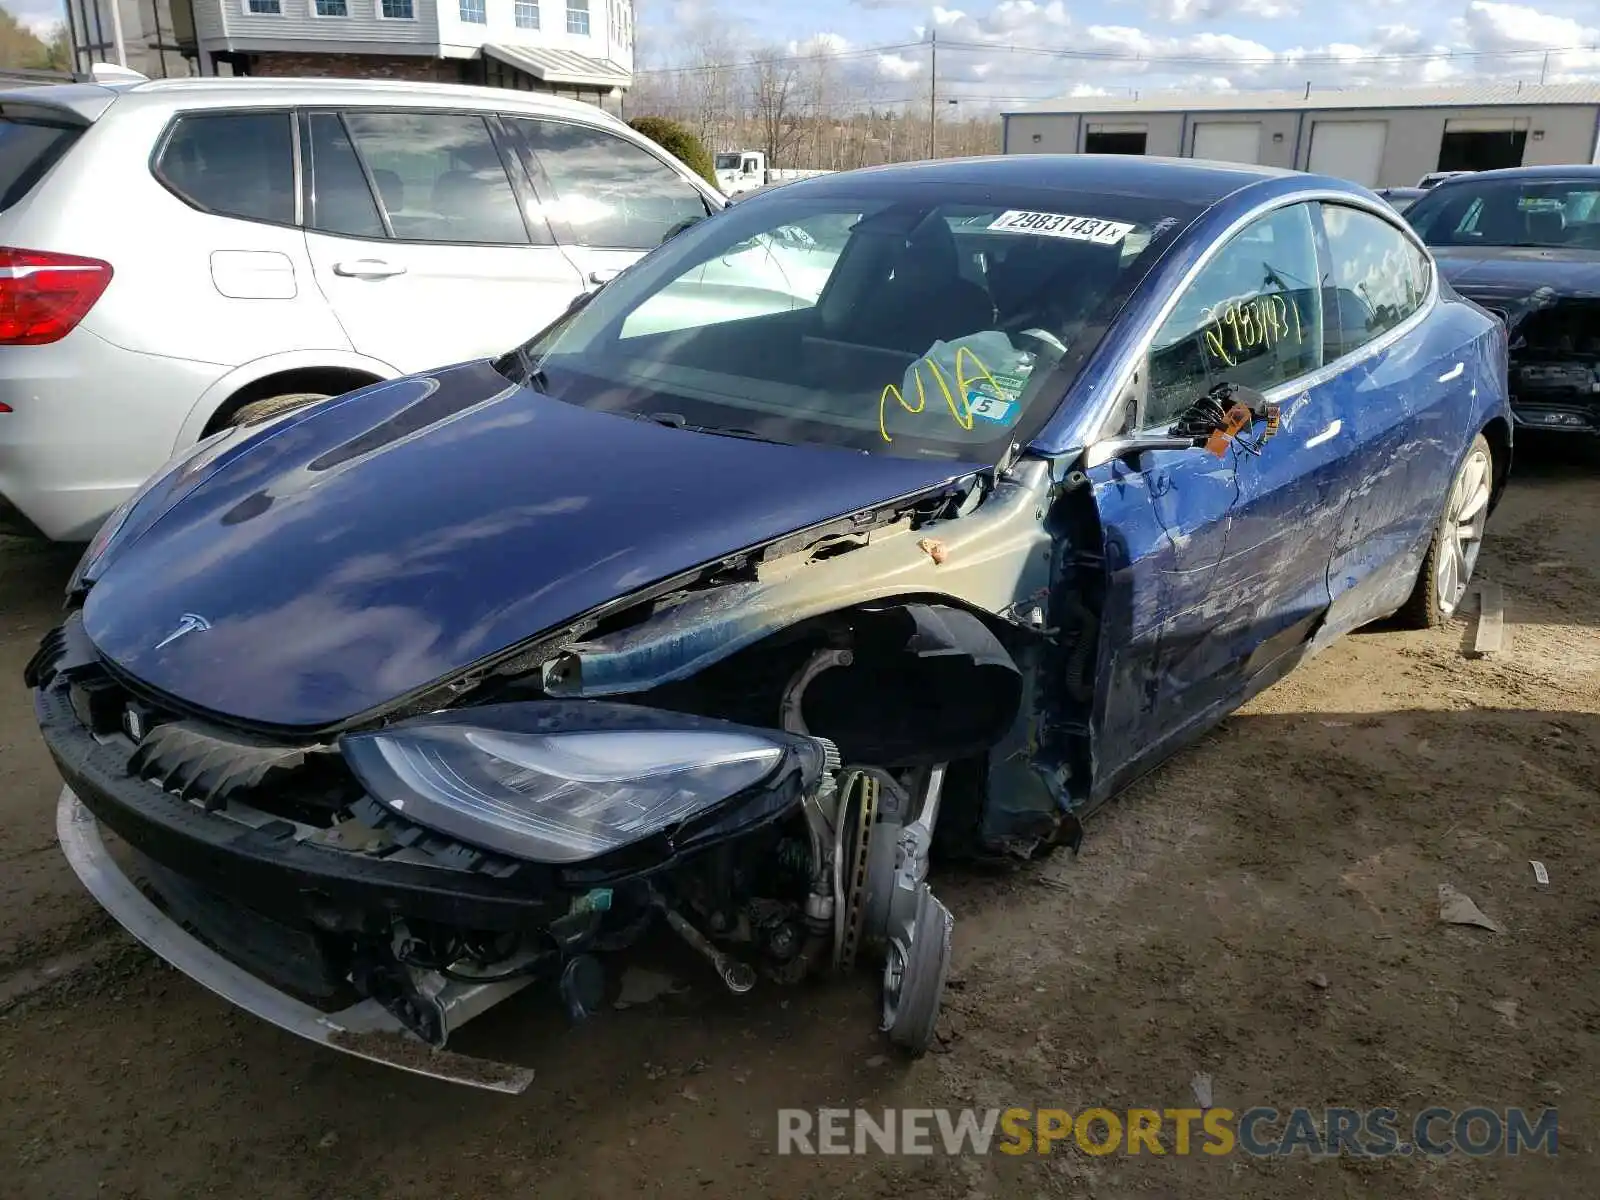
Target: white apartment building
<point x="580" y="48"/>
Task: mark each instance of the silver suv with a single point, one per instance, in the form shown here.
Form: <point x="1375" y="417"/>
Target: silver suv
<point x="180" y="255"/>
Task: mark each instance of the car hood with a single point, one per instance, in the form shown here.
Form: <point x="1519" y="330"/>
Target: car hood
<point x="386" y="540"/>
<point x="1511" y="272"/>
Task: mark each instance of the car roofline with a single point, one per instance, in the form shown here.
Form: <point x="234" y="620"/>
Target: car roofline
<point x="90" y="100"/>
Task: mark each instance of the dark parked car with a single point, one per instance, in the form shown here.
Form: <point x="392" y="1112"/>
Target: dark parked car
<point x="725" y="606"/>
<point x="1402" y="198"/>
<point x="1525" y="244"/>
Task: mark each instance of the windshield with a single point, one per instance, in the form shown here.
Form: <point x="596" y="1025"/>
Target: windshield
<point x="910" y="320"/>
<point x="727" y="162"/>
<point x="1544" y="213"/>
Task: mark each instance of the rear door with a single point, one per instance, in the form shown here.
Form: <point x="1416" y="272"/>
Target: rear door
<point x="609" y="200"/>
<point x="425" y="238"/>
<point x="1398" y="398"/>
<point x="1217" y="566"/>
<point x="235" y="283"/>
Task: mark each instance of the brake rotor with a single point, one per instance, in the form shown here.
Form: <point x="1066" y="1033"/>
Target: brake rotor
<point x="859" y="813"/>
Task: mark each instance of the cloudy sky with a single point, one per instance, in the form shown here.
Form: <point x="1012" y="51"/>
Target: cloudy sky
<point x="1000" y="50"/>
<point x="38" y="15"/>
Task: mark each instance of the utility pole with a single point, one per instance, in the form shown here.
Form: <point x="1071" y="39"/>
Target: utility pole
<point x="933" y="86"/>
<point x="1545" y="67"/>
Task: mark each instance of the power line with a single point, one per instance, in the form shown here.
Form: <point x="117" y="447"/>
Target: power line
<point x="819" y="55"/>
<point x="1122" y="56"/>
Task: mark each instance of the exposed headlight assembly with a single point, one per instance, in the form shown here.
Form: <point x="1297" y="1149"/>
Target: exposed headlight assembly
<point x="561" y="782"/>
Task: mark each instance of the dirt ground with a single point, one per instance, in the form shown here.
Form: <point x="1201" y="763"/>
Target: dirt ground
<point x="1262" y="910"/>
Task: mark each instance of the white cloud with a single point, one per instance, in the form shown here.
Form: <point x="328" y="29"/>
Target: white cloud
<point x="898" y="67"/>
<point x="1212" y="10"/>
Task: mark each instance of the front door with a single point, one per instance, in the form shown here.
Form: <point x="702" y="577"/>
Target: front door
<point x="1217" y="565"/>
<point x="420" y="242"/>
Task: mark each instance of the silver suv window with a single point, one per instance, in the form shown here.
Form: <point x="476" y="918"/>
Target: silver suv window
<point x="236" y="164"/>
<point x="607" y="192"/>
<point x="28" y="149"/>
<point x="439" y="177"/>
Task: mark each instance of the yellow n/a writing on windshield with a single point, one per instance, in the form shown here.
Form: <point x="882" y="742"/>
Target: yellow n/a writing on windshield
<point x="966" y="361"/>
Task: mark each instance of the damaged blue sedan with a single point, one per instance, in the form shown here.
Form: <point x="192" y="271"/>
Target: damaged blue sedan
<point x="895" y="515"/>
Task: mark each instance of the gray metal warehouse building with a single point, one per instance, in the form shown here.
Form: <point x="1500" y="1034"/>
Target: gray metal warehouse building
<point x="1381" y="137"/>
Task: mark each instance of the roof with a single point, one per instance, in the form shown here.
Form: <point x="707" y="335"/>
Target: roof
<point x="1202" y="183"/>
<point x="1558" y="171"/>
<point x="1300" y="100"/>
<point x="89" y="99"/>
<point x="561" y="66"/>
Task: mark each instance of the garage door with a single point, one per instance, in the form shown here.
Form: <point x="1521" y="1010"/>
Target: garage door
<point x="1350" y="150"/>
<point x="1228" y="141"/>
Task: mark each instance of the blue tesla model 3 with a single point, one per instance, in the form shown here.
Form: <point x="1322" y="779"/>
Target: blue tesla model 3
<point x="892" y="515"/>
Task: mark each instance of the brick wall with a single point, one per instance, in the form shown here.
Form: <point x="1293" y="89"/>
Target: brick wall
<point x="359" y="66"/>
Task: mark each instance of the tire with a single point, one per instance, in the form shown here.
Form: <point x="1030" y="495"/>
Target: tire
<point x="1453" y="551"/>
<point x="271" y="406"/>
<point x="914" y="978"/>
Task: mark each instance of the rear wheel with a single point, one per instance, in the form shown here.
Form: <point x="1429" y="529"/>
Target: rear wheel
<point x="1453" y="553"/>
<point x="271" y="406"/>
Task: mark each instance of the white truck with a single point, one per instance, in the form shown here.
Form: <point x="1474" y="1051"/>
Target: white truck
<point x="740" y="171"/>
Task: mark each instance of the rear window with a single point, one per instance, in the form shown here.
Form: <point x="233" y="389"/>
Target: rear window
<point x="27" y="150"/>
<point x="235" y="164"/>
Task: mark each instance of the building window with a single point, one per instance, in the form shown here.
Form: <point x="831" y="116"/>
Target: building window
<point x="472" y="12"/>
<point x="577" y="16"/>
<point x="527" y="14"/>
<point x="264" y="8"/>
<point x="333" y="8"/>
<point x="397" y="10"/>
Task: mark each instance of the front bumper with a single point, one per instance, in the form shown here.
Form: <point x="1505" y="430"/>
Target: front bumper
<point x="365" y="1029"/>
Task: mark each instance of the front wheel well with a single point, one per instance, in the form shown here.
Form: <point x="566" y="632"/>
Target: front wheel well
<point x="327" y="381"/>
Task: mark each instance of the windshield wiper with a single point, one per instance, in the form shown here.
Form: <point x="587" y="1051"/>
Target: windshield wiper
<point x="674" y="420"/>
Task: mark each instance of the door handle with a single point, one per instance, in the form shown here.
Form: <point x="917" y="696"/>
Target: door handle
<point x="368" y="268"/>
<point x="603" y="275"/>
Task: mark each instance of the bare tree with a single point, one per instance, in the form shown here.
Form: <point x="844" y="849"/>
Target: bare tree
<point x="777" y="101"/>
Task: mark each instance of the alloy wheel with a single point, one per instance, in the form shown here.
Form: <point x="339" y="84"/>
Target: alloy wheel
<point x="1461" y="534"/>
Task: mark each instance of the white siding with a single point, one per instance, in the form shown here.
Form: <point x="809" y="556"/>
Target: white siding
<point x="456" y="35"/>
<point x="299" y="22"/>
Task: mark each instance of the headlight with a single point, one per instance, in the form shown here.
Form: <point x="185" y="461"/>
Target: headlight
<point x="547" y="782"/>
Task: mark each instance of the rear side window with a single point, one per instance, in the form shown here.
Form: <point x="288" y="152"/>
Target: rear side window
<point x="27" y="150"/>
<point x="608" y="192"/>
<point x="234" y="164"/>
<point x="439" y="176"/>
<point x="1379" y="278"/>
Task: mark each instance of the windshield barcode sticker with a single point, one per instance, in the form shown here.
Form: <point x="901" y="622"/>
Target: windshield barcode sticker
<point x="1078" y="229"/>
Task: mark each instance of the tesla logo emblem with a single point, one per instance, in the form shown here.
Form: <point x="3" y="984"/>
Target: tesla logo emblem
<point x="189" y="623"/>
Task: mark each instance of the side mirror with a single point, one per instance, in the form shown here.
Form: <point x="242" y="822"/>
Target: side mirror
<point x="679" y="228"/>
<point x="1134" y="444"/>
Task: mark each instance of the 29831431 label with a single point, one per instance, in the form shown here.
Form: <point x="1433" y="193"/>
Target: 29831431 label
<point x="1062" y="225"/>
